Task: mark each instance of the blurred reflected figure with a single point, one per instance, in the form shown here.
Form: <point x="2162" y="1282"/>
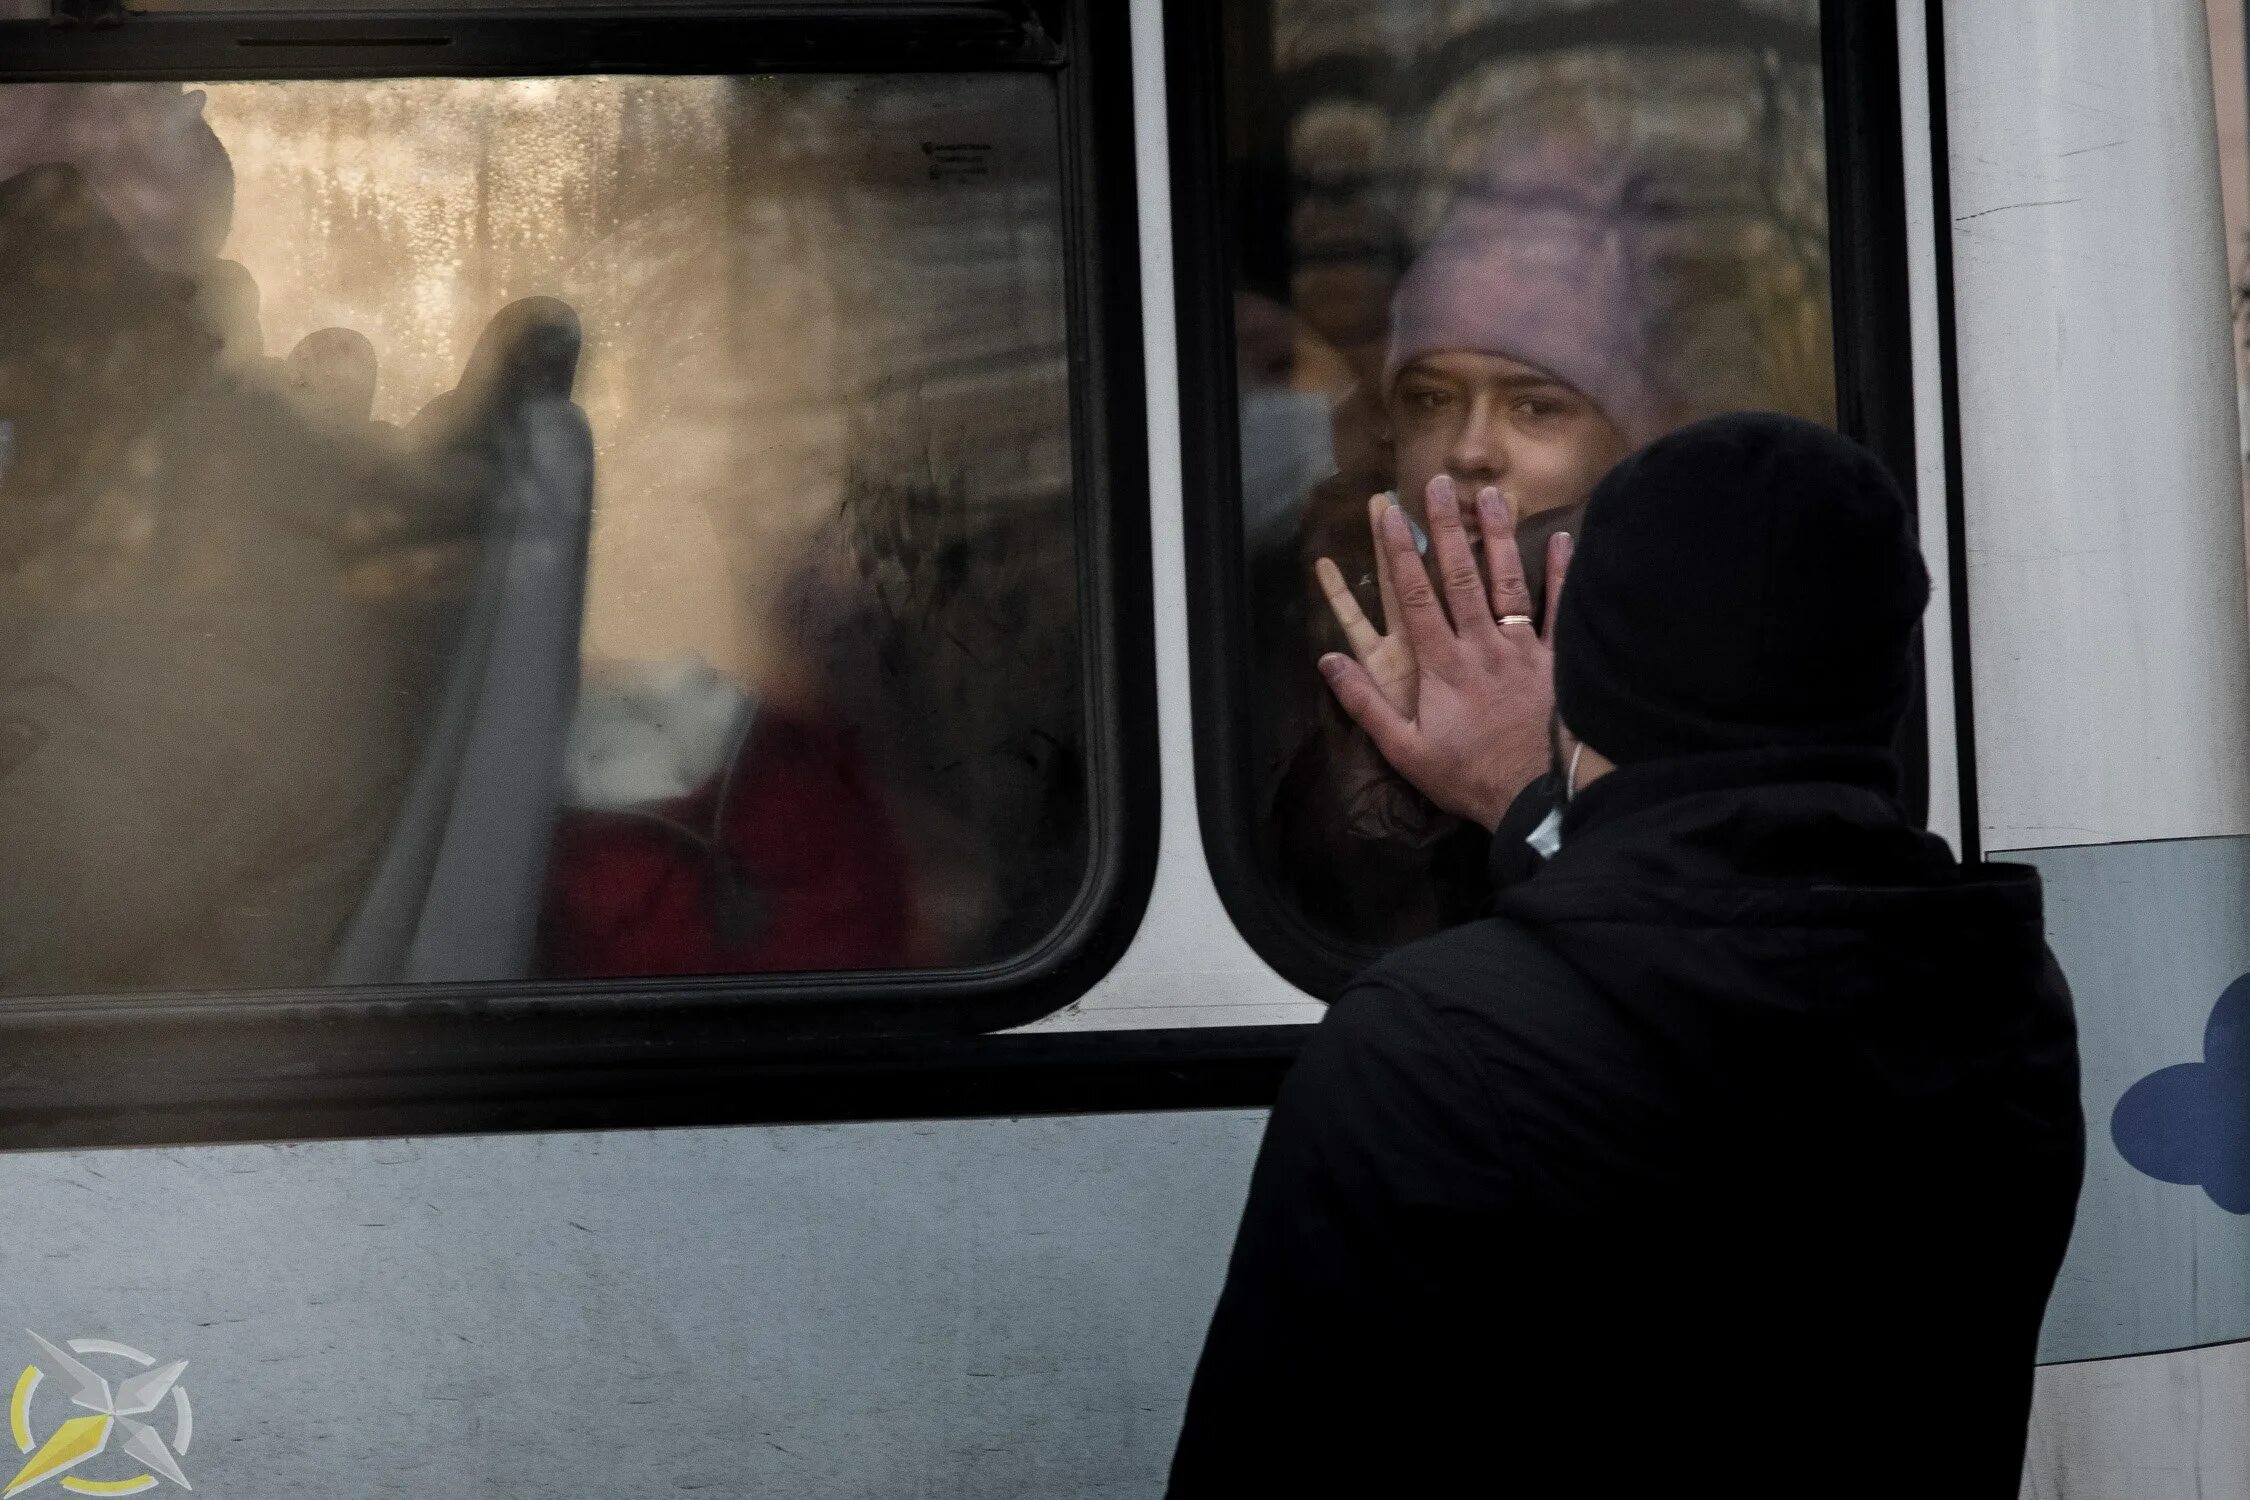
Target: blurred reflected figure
<point x="205" y="734"/>
<point x="144" y="150"/>
<point x="528" y="351"/>
<point x="331" y="375"/>
<point x="227" y="302"/>
<point x="92" y="341"/>
<point x="232" y="607"/>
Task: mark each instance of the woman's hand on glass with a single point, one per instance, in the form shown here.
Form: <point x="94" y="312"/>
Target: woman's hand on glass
<point x="1472" y="731"/>
<point x="1388" y="658"/>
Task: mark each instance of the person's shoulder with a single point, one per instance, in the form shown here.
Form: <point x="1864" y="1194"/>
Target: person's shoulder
<point x="1505" y="1001"/>
<point x="1428" y="1056"/>
<point x="1390" y="1086"/>
<point x="1495" y="964"/>
<point x="1414" y="1013"/>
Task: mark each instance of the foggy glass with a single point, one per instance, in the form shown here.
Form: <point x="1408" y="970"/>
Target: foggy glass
<point x="487" y="529"/>
<point x="1594" y="192"/>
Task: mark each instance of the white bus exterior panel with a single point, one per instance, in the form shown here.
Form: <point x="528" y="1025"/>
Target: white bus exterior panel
<point x="2150" y="935"/>
<point x="1930" y="491"/>
<point x="2161" y="1427"/>
<point x="2098" y="424"/>
<point x="955" y="1310"/>
<point x="1188" y="965"/>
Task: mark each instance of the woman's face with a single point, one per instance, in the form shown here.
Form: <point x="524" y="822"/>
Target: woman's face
<point x="1486" y="419"/>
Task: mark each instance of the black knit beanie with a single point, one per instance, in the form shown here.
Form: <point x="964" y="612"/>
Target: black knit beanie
<point x="1751" y="580"/>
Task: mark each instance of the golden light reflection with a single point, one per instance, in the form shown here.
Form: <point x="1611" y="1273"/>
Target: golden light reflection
<point x="777" y="291"/>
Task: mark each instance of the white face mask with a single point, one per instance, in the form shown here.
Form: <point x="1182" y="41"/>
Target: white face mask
<point x="1288" y="446"/>
<point x="1546" y="839"/>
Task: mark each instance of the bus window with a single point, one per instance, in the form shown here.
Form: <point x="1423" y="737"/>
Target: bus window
<point x="511" y="528"/>
<point x="1509" y="243"/>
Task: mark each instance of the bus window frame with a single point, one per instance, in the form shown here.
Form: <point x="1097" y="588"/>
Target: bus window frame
<point x="116" y="1069"/>
<point x="1874" y="388"/>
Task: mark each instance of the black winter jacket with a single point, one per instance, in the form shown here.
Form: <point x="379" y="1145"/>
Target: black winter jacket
<point x="1735" y="1155"/>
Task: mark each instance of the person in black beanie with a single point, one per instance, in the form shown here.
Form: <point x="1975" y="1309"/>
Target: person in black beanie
<point x="1737" y="1151"/>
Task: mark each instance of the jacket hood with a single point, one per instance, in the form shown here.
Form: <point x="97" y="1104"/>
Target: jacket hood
<point x="1779" y="903"/>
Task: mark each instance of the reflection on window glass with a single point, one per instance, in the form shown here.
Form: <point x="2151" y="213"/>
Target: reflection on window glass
<point x="1508" y="242"/>
<point x="482" y="529"/>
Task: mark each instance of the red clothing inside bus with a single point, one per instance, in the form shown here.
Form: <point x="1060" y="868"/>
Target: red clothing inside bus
<point x="784" y="860"/>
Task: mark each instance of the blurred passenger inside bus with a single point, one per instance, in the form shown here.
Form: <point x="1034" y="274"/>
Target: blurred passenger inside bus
<point x="894" y="780"/>
<point x="871" y="802"/>
<point x="1559" y="317"/>
<point x="914" y="603"/>
<point x="1291" y="384"/>
<point x="200" y="730"/>
<point x="225" y="600"/>
<point x="711" y="829"/>
<point x="1305" y="435"/>
<point x="236" y="660"/>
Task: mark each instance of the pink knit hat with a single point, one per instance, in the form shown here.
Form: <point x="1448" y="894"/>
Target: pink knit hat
<point x="1543" y="258"/>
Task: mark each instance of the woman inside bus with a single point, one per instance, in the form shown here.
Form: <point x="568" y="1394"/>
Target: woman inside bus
<point x="1568" y="309"/>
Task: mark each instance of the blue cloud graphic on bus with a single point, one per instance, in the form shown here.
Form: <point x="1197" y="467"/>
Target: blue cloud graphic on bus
<point x="2190" y="1123"/>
